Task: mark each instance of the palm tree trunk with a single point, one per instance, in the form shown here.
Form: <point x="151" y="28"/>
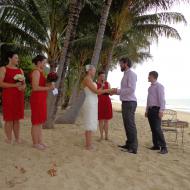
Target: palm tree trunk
<point x="53" y="50"/>
<point x="71" y="114"/>
<point x="52" y="105"/>
<point x="109" y="60"/>
<point x="101" y="30"/>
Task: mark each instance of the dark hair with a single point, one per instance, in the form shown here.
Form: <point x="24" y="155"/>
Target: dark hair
<point x="38" y="58"/>
<point x="154" y="74"/>
<point x="10" y="54"/>
<point x="100" y="73"/>
<point x="127" y="61"/>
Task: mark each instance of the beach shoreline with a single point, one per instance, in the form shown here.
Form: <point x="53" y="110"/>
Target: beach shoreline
<point x="181" y="115"/>
<point x="179" y="105"/>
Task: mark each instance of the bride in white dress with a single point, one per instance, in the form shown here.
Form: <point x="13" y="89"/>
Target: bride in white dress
<point x="90" y="105"/>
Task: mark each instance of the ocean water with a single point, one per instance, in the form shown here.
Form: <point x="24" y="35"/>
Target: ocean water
<point x="175" y="104"/>
<point x="178" y="104"/>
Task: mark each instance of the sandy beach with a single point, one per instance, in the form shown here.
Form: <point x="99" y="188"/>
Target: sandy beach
<point x="25" y="168"/>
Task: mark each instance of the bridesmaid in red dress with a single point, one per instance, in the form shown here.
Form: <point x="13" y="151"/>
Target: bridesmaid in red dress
<point x="38" y="100"/>
<point x="12" y="97"/>
<point x="104" y="106"/>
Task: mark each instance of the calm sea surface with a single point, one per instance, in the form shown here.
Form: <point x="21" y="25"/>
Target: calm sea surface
<point x="175" y="104"/>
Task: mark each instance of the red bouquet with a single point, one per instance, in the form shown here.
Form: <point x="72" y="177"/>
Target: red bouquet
<point x="52" y="77"/>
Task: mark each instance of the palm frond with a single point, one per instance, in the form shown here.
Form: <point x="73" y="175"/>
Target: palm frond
<point x="140" y="7"/>
<point x="88" y="42"/>
<point x="43" y="11"/>
<point x="39" y="23"/>
<point x="23" y="19"/>
<point x="154" y="30"/>
<point x="160" y="18"/>
<point x="19" y="35"/>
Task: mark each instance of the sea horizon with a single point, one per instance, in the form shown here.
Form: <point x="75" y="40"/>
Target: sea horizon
<point x="177" y="104"/>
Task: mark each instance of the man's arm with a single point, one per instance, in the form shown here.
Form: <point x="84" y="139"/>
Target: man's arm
<point x="161" y="99"/>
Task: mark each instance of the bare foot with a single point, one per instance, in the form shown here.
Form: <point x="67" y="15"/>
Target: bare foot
<point x="44" y="145"/>
<point x="39" y="146"/>
<point x="8" y="141"/>
<point x="18" y="141"/>
<point x="91" y="148"/>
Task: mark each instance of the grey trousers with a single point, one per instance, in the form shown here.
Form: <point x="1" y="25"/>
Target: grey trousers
<point x="128" y="114"/>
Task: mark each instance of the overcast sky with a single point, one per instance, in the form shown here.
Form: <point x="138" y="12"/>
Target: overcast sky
<point x="171" y="58"/>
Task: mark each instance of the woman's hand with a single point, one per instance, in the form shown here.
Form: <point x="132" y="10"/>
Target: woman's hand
<point x="111" y="91"/>
<point x="17" y="84"/>
<point x="51" y="85"/>
<point x="114" y="91"/>
<point x="104" y="91"/>
<point x="21" y="87"/>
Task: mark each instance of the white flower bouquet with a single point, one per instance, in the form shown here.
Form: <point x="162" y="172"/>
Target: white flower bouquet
<point x="19" y="78"/>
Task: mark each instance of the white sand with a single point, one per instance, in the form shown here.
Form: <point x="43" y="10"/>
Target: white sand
<point x="107" y="168"/>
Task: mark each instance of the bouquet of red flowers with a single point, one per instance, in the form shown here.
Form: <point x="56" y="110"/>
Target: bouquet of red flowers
<point x="52" y="77"/>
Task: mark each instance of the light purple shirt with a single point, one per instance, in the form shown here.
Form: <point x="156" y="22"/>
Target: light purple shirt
<point x="128" y="86"/>
<point x="156" y="96"/>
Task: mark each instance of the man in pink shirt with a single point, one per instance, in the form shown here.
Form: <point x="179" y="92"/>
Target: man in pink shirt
<point x="129" y="104"/>
<point x="154" y="112"/>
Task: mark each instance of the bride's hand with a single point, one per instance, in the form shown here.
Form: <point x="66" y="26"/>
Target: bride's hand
<point x="113" y="91"/>
<point x="107" y="91"/>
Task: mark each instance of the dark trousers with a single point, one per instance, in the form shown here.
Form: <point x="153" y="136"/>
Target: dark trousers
<point x="128" y="114"/>
<point x="155" y="125"/>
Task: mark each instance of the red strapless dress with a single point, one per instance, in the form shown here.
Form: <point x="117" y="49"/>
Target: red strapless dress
<point x="38" y="103"/>
<point x="12" y="98"/>
<point x="104" y="104"/>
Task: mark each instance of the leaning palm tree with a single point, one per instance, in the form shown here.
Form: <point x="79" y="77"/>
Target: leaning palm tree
<point x="74" y="12"/>
<point x="71" y="115"/>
